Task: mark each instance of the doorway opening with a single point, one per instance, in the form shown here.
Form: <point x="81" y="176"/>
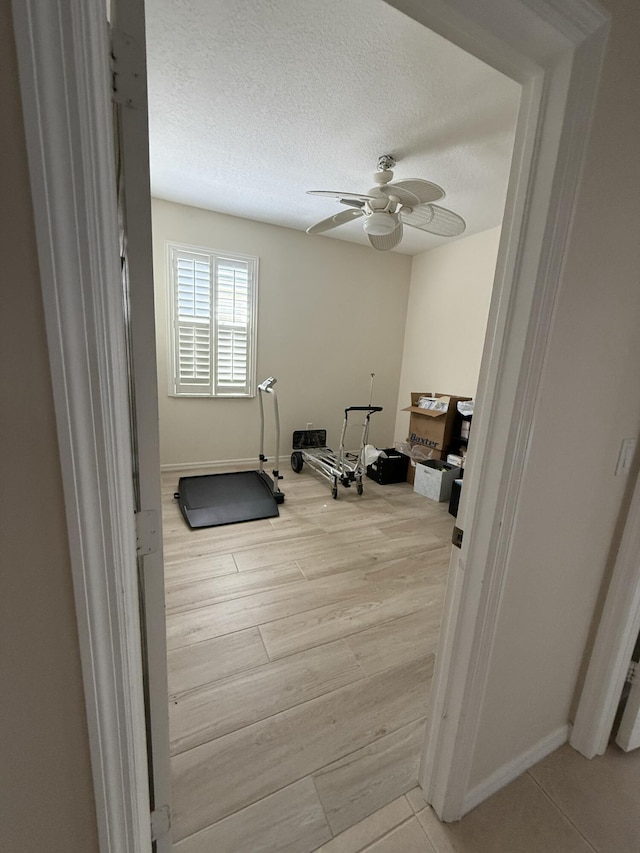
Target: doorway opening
<point x="308" y="640"/>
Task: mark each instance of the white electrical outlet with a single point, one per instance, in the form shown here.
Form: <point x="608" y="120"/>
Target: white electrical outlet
<point x="625" y="457"/>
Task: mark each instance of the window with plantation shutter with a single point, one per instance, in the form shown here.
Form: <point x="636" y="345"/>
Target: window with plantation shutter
<point x="213" y="302"/>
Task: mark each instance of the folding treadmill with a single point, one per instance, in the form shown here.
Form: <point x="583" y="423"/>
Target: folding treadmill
<point x="210" y="500"/>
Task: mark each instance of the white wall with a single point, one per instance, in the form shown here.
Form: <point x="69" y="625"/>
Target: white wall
<point x="446" y="320"/>
<point x="589" y="402"/>
<point x="329" y="314"/>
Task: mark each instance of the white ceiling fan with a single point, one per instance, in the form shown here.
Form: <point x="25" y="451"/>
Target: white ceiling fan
<point x="387" y="207"/>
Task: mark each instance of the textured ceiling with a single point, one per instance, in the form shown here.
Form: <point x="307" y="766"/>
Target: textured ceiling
<point x="252" y="102"/>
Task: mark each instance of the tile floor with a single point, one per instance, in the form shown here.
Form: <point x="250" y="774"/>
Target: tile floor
<point x="300" y="651"/>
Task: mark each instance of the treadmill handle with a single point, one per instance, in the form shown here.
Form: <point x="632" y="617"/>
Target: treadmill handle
<point x="363" y="409"/>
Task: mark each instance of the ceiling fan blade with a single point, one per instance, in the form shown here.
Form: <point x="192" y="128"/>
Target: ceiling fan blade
<point x="335" y="220"/>
<point x="424" y="191"/>
<point x="434" y="219"/>
<point x="352" y="202"/>
<point x="335" y="194"/>
<point x="389" y="241"/>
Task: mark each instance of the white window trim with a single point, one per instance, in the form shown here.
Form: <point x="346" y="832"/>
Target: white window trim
<point x="172" y="366"/>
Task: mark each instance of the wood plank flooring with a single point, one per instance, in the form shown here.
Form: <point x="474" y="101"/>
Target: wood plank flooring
<point x="300" y="655"/>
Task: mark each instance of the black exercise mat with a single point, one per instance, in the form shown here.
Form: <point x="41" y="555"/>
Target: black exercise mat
<point x="214" y="499"/>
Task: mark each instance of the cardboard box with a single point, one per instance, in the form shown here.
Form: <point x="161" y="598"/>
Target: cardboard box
<point x="392" y="469"/>
<point x="434" y="479"/>
<point x="432" y="427"/>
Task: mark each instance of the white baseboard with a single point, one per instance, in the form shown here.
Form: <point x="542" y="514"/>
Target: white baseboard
<point x="216" y="463"/>
<point x="510" y="771"/>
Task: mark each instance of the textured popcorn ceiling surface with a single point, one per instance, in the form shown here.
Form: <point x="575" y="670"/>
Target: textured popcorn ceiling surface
<point x="252" y="102"/>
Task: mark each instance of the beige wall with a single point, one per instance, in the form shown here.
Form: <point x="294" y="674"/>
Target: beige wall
<point x="447" y="319"/>
<point x="329" y="314"/>
<point x="590" y="401"/>
<point x="46" y="789"/>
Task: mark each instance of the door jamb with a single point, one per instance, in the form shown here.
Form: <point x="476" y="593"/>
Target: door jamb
<point x="63" y="58"/>
<point x="615" y="639"/>
<point x="63" y="65"/>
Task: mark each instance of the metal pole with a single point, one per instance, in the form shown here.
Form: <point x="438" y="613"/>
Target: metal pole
<point x="276" y="470"/>
<point x="261" y="429"/>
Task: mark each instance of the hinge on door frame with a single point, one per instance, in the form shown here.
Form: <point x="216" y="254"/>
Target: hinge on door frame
<point x="128" y="83"/>
<point x="633" y="672"/>
<point x="160" y="822"/>
<point x="147" y="533"/>
<point x="456" y="537"/>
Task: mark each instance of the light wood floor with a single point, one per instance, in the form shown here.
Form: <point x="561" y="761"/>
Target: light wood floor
<point x="300" y="650"/>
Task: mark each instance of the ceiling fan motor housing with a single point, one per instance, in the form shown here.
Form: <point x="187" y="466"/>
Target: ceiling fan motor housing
<point x="379" y="201"/>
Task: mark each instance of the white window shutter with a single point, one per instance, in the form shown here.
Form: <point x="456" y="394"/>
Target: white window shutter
<point x="233" y="300"/>
<point x="193" y="304"/>
<point x="214" y="306"/>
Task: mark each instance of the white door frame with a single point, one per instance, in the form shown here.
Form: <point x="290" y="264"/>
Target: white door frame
<point x="555" y="50"/>
<point x="617" y="633"/>
<point x="128" y="48"/>
<point x="63" y="59"/>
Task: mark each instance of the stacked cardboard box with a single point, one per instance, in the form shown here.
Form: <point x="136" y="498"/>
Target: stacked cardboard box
<point x="431" y="428"/>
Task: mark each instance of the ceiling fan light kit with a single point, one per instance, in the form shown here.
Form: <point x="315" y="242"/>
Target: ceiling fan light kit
<point x="379" y="224"/>
<point x="387" y="206"/>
